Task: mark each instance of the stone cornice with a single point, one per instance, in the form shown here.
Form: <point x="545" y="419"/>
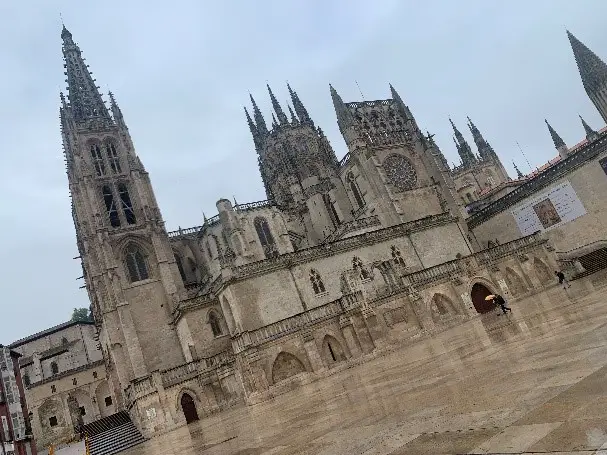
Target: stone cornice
<point x="542" y="180"/>
<point x="67" y="373"/>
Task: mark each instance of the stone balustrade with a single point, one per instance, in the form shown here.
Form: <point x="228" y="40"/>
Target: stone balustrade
<point x="435" y="273"/>
<point x="517" y="246"/>
<point x="190" y="370"/>
<point x="351" y="226"/>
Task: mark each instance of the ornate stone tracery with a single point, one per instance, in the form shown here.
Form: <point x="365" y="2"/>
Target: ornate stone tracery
<point x="400" y="172"/>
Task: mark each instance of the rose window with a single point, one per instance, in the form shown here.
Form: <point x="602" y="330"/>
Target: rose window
<point x="400" y="172"/>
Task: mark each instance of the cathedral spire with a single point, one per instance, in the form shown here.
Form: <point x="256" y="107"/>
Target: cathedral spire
<point x="293" y="116"/>
<point x="282" y="118"/>
<point x="86" y="102"/>
<point x="463" y="148"/>
<point x="300" y="109"/>
<point x="260" y="123"/>
<point x="591" y="134"/>
<point x="344" y="116"/>
<point x="519" y="174"/>
<point x="484" y="148"/>
<point x="116" y="112"/>
<point x="396" y="97"/>
<point x="592" y="69"/>
<point x="593" y="72"/>
<point x="559" y="143"/>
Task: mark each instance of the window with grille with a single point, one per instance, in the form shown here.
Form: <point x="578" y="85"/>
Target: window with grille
<point x="127" y="206"/>
<point x="110" y="206"/>
<point x="136" y="264"/>
<point x="97" y="160"/>
<point x="113" y="158"/>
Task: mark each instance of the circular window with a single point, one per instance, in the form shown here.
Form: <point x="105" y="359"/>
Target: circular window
<point x="400" y="172"/>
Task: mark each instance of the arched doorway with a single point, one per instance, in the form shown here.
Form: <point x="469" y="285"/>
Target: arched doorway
<point x="189" y="408"/>
<point x="478" y="294"/>
<point x="285" y="366"/>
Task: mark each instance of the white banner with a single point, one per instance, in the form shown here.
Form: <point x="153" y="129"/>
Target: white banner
<point x="549" y="210"/>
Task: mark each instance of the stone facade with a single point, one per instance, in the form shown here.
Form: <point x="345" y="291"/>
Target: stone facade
<point x="65" y="381"/>
<point x="345" y="259"/>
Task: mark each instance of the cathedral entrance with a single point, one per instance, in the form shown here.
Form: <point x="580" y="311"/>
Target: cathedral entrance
<point x="478" y="294"/>
<point x="189" y="408"/>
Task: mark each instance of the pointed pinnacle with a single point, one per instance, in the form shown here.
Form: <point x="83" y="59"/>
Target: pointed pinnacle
<point x="590" y="133"/>
<point x="293" y="117"/>
<point x="282" y="118"/>
<point x="592" y="69"/>
<point x="556" y="139"/>
<point x="260" y="122"/>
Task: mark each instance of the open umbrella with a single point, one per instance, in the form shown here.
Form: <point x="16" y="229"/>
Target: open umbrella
<point x="490" y="297"/>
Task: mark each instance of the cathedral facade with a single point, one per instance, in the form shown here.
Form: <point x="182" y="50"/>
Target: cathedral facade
<point x="346" y="257"/>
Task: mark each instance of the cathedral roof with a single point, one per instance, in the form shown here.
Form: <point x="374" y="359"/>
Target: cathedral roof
<point x="49" y="331"/>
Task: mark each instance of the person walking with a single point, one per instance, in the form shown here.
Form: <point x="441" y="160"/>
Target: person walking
<point x="499" y="300"/>
<point x="562" y="279"/>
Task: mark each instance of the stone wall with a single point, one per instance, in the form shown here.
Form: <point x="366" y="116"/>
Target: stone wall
<point x="588" y="180"/>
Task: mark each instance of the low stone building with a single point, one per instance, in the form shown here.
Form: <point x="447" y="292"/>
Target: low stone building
<point x="15" y="430"/>
<point x="65" y="381"/>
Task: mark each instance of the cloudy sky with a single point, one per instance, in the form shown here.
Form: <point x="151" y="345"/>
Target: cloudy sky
<point x="182" y="71"/>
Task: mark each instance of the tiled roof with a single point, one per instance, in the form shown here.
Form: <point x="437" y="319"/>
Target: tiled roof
<point x="46" y="332"/>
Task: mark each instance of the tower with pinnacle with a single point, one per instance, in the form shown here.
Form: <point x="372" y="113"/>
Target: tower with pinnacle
<point x="129" y="270"/>
<point x="299" y="167"/>
<point x="593" y="72"/>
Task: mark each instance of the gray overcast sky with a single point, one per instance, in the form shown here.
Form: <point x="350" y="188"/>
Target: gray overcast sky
<point x="182" y="70"/>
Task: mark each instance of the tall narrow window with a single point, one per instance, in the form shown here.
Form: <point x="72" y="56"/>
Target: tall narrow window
<point x="97" y="159"/>
<point x="112" y="156"/>
<point x="135" y="264"/>
<point x="180" y="266"/>
<point x="316" y="280"/>
<point x="396" y="256"/>
<point x="331" y="209"/>
<point x="355" y="191"/>
<point x="214" y="323"/>
<point x="127" y="206"/>
<point x="54" y="368"/>
<point x="110" y="206"/>
<point x="265" y="237"/>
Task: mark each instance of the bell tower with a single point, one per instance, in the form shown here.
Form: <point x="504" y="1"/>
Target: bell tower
<point x="129" y="270"/>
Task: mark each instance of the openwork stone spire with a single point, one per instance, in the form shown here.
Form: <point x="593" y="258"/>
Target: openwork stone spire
<point x="484" y="148"/>
<point x="282" y="118"/>
<point x="592" y="69"/>
<point x="463" y="148"/>
<point x="300" y="109"/>
<point x="85" y="99"/>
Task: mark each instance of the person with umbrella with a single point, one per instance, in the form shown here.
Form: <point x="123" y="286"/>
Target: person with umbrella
<point x="498" y="300"/>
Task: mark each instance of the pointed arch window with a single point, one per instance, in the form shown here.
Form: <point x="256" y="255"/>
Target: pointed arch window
<point x="192" y="265"/>
<point x="357" y="265"/>
<point x="397" y="257"/>
<point x="265" y="236"/>
<point x="331" y="209"/>
<point x="317" y="283"/>
<point x="215" y="324"/>
<point x="136" y="264"/>
<point x="110" y="206"/>
<point x="180" y="266"/>
<point x="360" y="201"/>
<point x="127" y="206"/>
<point x="97" y="160"/>
<point x="54" y="368"/>
<point x="113" y="158"/>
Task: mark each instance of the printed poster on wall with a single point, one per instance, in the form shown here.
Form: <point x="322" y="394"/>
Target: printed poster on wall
<point x="549" y="210"/>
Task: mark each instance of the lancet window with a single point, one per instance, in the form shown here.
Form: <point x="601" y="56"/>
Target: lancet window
<point x="317" y="283"/>
<point x="97" y="160"/>
<point x="136" y="264"/>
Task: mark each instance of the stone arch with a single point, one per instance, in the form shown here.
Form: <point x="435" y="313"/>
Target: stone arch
<point x="286" y="365"/>
<point x="332" y="351"/>
<point x="542" y="271"/>
<point x="186" y="401"/>
<point x="84" y="400"/>
<point x="478" y="292"/>
<point x="442" y="306"/>
<point x="102" y="393"/>
<point x="515" y="283"/>
<point x="214" y="319"/>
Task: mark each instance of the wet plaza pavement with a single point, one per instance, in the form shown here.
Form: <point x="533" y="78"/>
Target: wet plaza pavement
<point x="534" y="381"/>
